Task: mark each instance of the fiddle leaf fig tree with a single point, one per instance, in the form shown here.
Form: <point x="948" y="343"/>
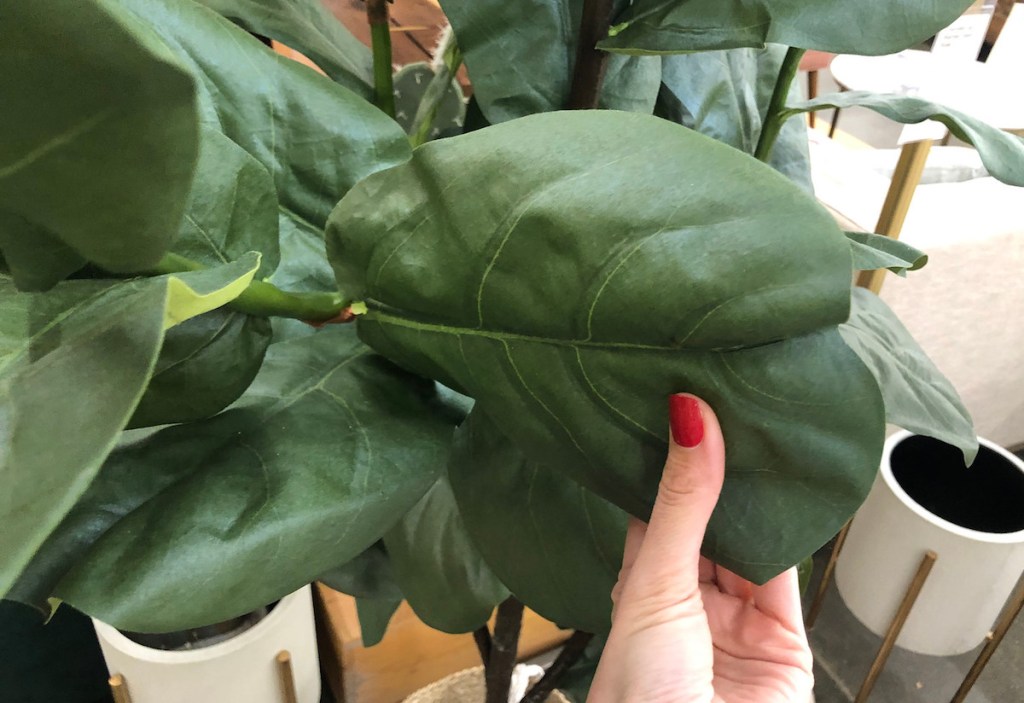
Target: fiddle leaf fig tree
<point x="251" y="337"/>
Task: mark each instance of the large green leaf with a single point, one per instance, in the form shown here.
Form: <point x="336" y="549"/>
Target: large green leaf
<point x="528" y="69"/>
<point x="198" y="523"/>
<point x="368" y="575"/>
<point x="876" y="251"/>
<point x="437" y="567"/>
<point x="917" y="396"/>
<point x="307" y="26"/>
<point x="206" y="363"/>
<point x="871" y="27"/>
<point x="1001" y="152"/>
<point x="530" y="266"/>
<point x="374" y="616"/>
<point x="726" y="94"/>
<point x="556" y="545"/>
<point x="74" y="361"/>
<point x="315" y="137"/>
<point x="99" y="140"/>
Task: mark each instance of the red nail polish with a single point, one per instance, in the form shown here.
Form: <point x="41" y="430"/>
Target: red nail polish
<point x="685" y="420"/>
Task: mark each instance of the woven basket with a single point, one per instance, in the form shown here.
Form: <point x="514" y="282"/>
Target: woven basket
<point x="465" y="686"/>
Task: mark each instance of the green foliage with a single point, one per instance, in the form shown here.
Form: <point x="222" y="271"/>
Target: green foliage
<point x="120" y="86"/>
<point x="572" y="306"/>
<point x="874" y="251"/>
<point x="75" y="360"/>
<point x="565" y="271"/>
<point x="568" y="581"/>
<point x="307" y="26"/>
<point x="1001" y="152"/>
<point x="247" y="527"/>
<point x="437" y="566"/>
<point x="917" y="396"/>
<point x="529" y="71"/>
<point x="872" y="27"/>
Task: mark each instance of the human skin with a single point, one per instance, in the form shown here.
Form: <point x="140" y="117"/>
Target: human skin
<point x="685" y="630"/>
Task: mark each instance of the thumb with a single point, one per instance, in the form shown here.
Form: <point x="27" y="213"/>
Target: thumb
<point x="689" y="490"/>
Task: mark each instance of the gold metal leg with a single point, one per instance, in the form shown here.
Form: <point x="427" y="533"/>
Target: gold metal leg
<point x="896" y="626"/>
<point x="286" y="676"/>
<point x="1010" y="613"/>
<point x="119" y="689"/>
<point x="826" y="577"/>
<point x="897" y="202"/>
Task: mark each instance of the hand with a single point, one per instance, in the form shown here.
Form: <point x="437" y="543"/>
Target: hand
<point x="683" y="629"/>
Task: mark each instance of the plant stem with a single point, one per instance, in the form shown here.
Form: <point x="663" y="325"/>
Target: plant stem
<point x="264" y="299"/>
<point x="504" y="648"/>
<point x="380" y="38"/>
<point x="776" y="115"/>
<point x="571" y="652"/>
<point x="482" y="637"/>
<point x="591" y="62"/>
<point x="444" y="73"/>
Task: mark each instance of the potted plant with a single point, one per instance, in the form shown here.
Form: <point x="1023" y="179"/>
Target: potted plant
<point x="177" y="202"/>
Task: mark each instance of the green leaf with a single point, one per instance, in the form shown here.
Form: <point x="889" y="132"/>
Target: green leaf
<point x="550" y="286"/>
<point x="306" y="26"/>
<point x="441" y="573"/>
<point x="36" y="260"/>
<point x="326" y="450"/>
<point x="369" y="575"/>
<point x="575" y="684"/>
<point x="556" y="545"/>
<point x="529" y="70"/>
<point x="74" y="361"/>
<point x="315" y="137"/>
<point x="725" y="95"/>
<point x="917" y="396"/>
<point x="206" y="363"/>
<point x="1002" y="153"/>
<point x="374" y="616"/>
<point x="876" y="251"/>
<point x="78" y="77"/>
<point x="840" y="26"/>
<point x="303" y="267"/>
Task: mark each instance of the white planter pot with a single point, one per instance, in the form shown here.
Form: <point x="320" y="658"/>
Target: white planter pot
<point x="242" y="669"/>
<point x="924" y="498"/>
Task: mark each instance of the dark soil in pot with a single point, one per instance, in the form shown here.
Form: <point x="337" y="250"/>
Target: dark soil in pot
<point x="199" y="637"/>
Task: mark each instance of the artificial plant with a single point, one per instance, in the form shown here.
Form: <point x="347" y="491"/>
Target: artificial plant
<point x="184" y="437"/>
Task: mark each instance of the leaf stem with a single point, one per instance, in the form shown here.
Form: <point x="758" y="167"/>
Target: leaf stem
<point x="776" y="115"/>
<point x="380" y="39"/>
<point x="504" y="648"/>
<point x="444" y="73"/>
<point x="591" y="62"/>
<point x="571" y="652"/>
<point x="264" y="299"/>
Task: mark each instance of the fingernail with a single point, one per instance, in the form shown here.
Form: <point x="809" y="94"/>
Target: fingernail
<point x="685" y="420"/>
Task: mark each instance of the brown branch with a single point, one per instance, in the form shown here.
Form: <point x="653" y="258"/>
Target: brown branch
<point x="591" y="62"/>
<point x="482" y="637"/>
<point x="504" y="648"/>
<point x="569" y="655"/>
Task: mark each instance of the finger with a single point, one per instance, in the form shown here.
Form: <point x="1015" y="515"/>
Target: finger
<point x="635" y="533"/>
<point x="690" y="485"/>
<point x="734" y="585"/>
<point x="634" y="538"/>
<point x="706" y="570"/>
<point x="780" y="599"/>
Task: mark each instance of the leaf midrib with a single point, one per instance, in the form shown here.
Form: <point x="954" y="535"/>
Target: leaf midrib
<point x="381" y="313"/>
